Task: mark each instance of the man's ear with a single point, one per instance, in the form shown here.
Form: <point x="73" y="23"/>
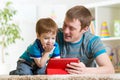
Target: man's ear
<point x="85" y="29"/>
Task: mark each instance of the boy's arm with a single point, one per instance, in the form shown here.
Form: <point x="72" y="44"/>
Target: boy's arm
<point x="56" y="51"/>
<point x="42" y="61"/>
<point x="45" y="56"/>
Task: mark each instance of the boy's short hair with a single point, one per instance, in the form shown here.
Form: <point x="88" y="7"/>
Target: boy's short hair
<point x="45" y="25"/>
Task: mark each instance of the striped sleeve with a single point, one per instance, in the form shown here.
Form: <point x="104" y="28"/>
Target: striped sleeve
<point x="96" y="46"/>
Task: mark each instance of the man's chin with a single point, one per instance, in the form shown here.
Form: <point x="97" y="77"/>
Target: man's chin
<point x="67" y="40"/>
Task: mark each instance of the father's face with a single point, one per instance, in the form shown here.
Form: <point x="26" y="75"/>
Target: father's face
<point x="72" y="30"/>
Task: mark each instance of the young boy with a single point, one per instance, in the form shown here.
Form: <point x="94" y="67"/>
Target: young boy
<point x="33" y="60"/>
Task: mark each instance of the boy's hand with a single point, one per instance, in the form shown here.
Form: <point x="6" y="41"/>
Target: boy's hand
<point x="48" y="47"/>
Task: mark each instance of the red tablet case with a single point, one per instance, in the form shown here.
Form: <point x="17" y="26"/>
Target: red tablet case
<point x="58" y="65"/>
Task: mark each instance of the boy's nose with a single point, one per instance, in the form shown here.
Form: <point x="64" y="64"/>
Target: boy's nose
<point x="49" y="40"/>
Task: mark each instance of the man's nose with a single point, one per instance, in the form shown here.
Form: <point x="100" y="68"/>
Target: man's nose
<point x="66" y="30"/>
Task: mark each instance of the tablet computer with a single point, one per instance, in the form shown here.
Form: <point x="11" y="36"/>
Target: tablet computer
<point x="58" y="65"/>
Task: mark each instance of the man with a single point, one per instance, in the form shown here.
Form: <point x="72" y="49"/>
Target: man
<point x="76" y="41"/>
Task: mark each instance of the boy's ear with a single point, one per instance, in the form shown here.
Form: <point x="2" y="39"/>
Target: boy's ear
<point x="37" y="34"/>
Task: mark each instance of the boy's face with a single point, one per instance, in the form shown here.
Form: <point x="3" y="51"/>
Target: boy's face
<point x="47" y="39"/>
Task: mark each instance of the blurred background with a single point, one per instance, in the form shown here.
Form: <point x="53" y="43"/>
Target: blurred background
<point x="28" y="12"/>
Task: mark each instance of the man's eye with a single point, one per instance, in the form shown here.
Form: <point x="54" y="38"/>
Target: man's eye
<point x="71" y="28"/>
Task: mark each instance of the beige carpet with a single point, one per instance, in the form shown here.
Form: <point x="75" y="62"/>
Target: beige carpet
<point x="63" y="77"/>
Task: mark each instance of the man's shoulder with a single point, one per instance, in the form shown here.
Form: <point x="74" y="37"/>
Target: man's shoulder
<point x="89" y="35"/>
<point x="60" y="30"/>
<point x="59" y="37"/>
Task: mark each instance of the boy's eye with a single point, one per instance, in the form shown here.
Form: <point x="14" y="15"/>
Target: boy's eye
<point x="53" y="38"/>
<point x="46" y="38"/>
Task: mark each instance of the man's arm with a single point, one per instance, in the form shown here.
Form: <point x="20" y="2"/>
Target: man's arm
<point x="104" y="66"/>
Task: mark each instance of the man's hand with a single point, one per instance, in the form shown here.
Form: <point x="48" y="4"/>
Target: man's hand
<point x="76" y="68"/>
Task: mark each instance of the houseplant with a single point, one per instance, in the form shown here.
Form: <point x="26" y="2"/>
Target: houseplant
<point x="9" y="30"/>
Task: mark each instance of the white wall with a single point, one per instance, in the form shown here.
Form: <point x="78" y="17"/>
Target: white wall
<point x="26" y="19"/>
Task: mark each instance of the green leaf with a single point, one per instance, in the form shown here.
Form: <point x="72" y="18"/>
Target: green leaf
<point x="8" y="28"/>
